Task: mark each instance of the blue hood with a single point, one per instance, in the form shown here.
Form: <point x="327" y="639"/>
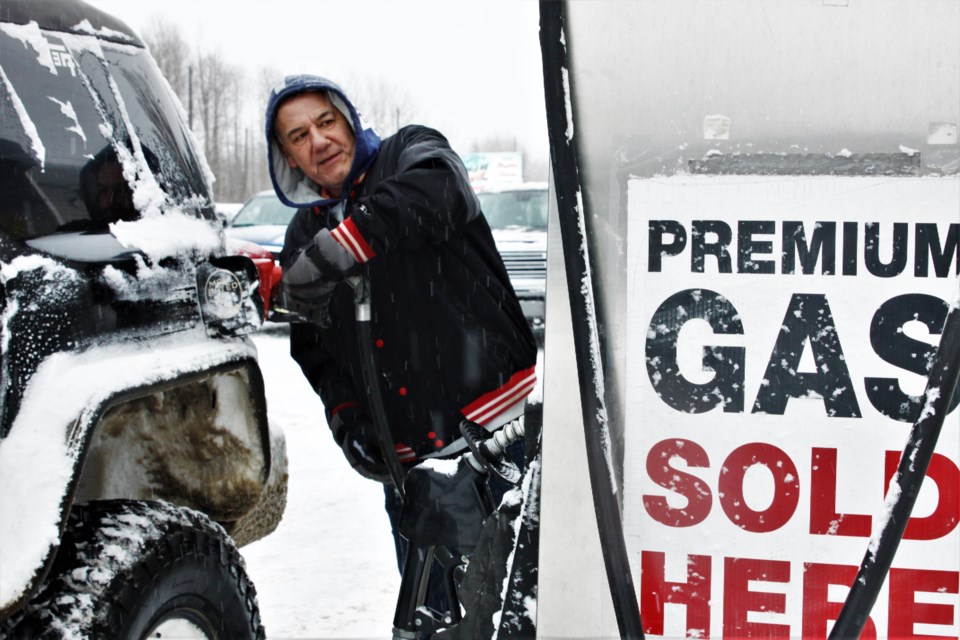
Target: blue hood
<point x="293" y="188"/>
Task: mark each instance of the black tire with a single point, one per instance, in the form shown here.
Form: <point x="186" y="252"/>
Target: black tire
<point x="125" y="567"/>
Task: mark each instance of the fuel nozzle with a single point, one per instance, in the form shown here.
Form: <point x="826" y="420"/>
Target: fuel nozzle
<point x="488" y="450"/>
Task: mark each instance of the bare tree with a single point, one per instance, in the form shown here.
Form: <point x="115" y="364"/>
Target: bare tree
<point x="495" y="143"/>
<point x="211" y="91"/>
<point x="532" y="170"/>
<point x="227" y="116"/>
<point x="258" y="175"/>
<point x="384" y="104"/>
<point x="171" y="52"/>
<point x="217" y="99"/>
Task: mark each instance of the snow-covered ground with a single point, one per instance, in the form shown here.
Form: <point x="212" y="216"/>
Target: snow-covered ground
<point x="329" y="570"/>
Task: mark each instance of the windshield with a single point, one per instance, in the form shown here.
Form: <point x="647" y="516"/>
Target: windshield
<point x="83" y="121"/>
<point x="265" y="209"/>
<point x="515" y="209"/>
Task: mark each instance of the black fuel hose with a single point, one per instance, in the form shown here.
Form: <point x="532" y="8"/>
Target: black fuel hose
<point x="372" y="383"/>
<point x="935" y="404"/>
<point x="565" y="163"/>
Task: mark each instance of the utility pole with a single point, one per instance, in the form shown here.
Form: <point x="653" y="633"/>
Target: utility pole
<point x="246" y="163"/>
<point x="190" y="96"/>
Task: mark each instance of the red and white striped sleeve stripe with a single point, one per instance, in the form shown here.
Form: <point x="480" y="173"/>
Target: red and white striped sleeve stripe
<point x="404" y="453"/>
<point x="347" y="234"/>
<point x="490" y="405"/>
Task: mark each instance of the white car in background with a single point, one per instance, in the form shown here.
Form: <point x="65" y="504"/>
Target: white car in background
<point x="262" y="219"/>
<point x="227" y="210"/>
<point x="517" y="214"/>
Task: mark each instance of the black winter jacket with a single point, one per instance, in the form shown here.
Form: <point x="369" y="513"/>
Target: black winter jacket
<point x="450" y="338"/>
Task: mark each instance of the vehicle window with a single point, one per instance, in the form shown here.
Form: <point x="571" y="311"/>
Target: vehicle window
<point x="264" y="210"/>
<point x="515" y="209"/>
<point x="65" y="135"/>
<point x="154" y="113"/>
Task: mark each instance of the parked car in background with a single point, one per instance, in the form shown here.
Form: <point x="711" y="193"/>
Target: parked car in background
<point x="517" y="214"/>
<point x="268" y="270"/>
<point x="262" y="219"/>
<point x="227" y="210"/>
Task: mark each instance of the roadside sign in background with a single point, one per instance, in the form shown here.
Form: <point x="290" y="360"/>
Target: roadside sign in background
<point x="494" y="167"/>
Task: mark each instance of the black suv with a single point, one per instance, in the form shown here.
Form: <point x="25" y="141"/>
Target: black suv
<point x="135" y="452"/>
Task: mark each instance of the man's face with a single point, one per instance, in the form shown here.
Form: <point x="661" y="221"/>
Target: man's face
<point x="316" y="137"/>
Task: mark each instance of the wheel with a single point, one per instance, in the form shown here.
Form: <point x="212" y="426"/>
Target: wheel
<point x="137" y="570"/>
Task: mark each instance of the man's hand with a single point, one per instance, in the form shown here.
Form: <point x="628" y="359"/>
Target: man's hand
<point x="305" y="291"/>
<point x="357" y="437"/>
<point x="332" y="261"/>
<point x="308" y="284"/>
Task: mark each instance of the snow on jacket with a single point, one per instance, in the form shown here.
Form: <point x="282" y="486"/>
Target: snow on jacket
<point x="450" y="338"/>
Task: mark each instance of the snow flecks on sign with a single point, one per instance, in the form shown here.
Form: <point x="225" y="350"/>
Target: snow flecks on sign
<point x="28" y="126"/>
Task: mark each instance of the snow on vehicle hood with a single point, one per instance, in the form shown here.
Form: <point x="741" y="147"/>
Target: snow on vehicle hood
<point x="38" y="458"/>
<point x="292" y="187"/>
<point x="169" y="234"/>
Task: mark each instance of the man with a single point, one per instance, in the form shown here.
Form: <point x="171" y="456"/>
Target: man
<point x="450" y="338"/>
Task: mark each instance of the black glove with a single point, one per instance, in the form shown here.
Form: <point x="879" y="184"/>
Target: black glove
<point x="358" y="440"/>
<point x="304" y="291"/>
<point x="308" y="284"/>
<point x="332" y="261"/>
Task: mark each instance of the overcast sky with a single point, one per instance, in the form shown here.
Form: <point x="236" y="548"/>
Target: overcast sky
<point x="472" y="67"/>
